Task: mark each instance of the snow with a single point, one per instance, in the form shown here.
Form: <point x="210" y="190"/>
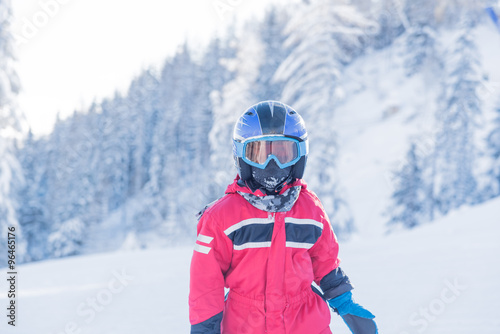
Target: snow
<point x="436" y="279"/>
<point x="402" y="275"/>
<point x="383" y="111"/>
<point x="114" y="167"/>
<point x="55" y="294"/>
<point x="373" y="133"/>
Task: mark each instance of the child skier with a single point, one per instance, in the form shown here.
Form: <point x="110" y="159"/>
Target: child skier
<point x="268" y="239"/>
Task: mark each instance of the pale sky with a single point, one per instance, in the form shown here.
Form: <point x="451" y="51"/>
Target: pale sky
<point x="71" y="52"/>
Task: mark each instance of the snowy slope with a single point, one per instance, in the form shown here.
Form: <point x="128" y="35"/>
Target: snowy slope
<point x="383" y="110"/>
<point x="406" y="277"/>
<point x="374" y="125"/>
<point x="437" y="279"/>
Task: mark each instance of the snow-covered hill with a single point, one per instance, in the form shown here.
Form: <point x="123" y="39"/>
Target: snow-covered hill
<point x="384" y="109"/>
<point x="437" y="279"/>
<point x="370" y="78"/>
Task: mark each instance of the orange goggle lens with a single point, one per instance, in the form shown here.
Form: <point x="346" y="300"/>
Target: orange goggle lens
<point x="259" y="151"/>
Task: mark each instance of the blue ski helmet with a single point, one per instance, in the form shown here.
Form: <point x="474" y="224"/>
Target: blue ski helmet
<point x="266" y="131"/>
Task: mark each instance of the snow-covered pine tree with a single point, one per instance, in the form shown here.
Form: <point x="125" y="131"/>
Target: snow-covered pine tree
<point x="143" y="100"/>
<point x="419" y="42"/>
<point x="67" y="239"/>
<point x="57" y="172"/>
<point x="32" y="213"/>
<point x="116" y="153"/>
<point x="271" y="33"/>
<point x="451" y="12"/>
<point x="212" y="75"/>
<point x="98" y="124"/>
<point x="459" y="109"/>
<point x="145" y="107"/>
<point x="421" y="51"/>
<point x="323" y="36"/>
<point x="197" y="186"/>
<point x="75" y="150"/>
<point x="180" y="163"/>
<point x="231" y="101"/>
<point x="179" y="89"/>
<point x="409" y="199"/>
<point x="387" y="14"/>
<point x="192" y="130"/>
<point x="9" y="81"/>
<point x="419" y="13"/>
<point x="10" y="176"/>
<point x="214" y="69"/>
<point x="494" y="151"/>
<point x="364" y="6"/>
<point x="61" y="181"/>
<point x="162" y="141"/>
<point x="11" y="123"/>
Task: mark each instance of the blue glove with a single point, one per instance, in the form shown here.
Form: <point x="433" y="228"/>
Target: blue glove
<point x="358" y="319"/>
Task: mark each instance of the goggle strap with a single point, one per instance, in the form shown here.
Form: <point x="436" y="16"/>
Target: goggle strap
<point x="239" y="148"/>
<point x="303" y="148"/>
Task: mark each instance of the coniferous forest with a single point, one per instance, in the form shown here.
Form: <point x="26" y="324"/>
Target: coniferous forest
<point x="133" y="170"/>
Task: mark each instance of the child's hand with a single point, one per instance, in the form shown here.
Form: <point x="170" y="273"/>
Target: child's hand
<point x="357" y="318"/>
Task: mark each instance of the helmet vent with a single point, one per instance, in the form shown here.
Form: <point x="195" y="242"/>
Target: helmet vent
<point x="291" y="112"/>
<point x="249" y="113"/>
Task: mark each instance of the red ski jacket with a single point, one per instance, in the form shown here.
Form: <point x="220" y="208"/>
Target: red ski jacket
<point x="267" y="260"/>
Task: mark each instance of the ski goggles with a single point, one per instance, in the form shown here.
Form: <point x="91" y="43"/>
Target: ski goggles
<point x="259" y="151"/>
